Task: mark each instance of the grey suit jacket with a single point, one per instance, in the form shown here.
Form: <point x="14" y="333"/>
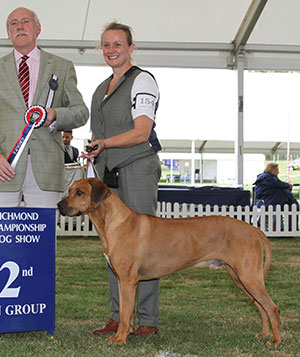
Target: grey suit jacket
<point x="46" y="148"/>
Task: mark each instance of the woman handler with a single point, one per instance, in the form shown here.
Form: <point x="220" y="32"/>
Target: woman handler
<point x="122" y="121"/>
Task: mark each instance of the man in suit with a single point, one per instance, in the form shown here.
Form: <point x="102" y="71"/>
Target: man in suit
<point x="39" y="173"/>
<point x="71" y="153"/>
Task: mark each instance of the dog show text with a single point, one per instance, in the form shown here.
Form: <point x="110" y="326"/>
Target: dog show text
<point x="20" y="222"/>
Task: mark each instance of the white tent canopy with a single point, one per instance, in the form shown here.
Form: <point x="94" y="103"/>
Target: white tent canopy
<point x="173" y="33"/>
<point x="220" y="34"/>
<point x="227" y="147"/>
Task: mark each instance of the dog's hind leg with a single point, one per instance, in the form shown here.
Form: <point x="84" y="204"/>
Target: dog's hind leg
<point x="255" y="288"/>
<point x="264" y="320"/>
<point x="262" y="298"/>
<point x="263" y="315"/>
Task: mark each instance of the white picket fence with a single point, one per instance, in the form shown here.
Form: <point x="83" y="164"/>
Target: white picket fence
<point x="262" y="218"/>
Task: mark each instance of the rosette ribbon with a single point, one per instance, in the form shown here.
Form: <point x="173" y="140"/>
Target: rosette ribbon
<point x="35" y="117"/>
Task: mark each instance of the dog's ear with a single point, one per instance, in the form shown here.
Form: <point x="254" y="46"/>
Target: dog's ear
<point x="99" y="191"/>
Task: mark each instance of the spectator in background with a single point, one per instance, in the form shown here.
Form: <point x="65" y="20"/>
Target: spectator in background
<point x="270" y="191"/>
<point x="71" y="153"/>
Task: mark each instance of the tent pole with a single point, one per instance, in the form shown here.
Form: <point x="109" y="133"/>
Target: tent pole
<point x="239" y="142"/>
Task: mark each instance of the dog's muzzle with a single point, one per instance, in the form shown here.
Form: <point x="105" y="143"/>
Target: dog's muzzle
<point x="64" y="210"/>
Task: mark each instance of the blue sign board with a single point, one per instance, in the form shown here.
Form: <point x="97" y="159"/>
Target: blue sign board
<point x="27" y="269"/>
<point x="174" y="163"/>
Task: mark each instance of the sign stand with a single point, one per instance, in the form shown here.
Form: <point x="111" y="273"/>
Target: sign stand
<point x="27" y="269"/>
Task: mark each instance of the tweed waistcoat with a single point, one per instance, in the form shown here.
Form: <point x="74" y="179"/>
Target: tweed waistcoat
<point x="112" y="116"/>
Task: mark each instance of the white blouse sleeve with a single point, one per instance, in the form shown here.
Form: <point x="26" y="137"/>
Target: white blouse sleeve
<point x="144" y="96"/>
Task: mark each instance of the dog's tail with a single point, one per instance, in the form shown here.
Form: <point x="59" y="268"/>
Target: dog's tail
<point x="268" y="256"/>
<point x="268" y="251"/>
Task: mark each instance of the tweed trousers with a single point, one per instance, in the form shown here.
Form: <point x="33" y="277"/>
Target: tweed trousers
<point x="31" y="193"/>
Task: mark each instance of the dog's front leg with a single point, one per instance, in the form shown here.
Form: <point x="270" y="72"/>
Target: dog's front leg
<point x="127" y="295"/>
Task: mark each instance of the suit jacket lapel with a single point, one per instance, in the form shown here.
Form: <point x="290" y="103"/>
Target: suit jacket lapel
<point x="44" y="75"/>
<point x="10" y="70"/>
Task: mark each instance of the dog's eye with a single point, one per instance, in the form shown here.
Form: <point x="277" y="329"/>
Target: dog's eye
<point x="79" y="193"/>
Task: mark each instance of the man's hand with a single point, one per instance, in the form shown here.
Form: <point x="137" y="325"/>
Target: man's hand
<point x="7" y="173"/>
<point x="51" y="116"/>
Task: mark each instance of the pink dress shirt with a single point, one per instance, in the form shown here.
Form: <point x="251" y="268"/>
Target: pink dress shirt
<point x="34" y="66"/>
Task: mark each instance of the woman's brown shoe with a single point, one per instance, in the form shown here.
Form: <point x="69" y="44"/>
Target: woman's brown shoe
<point x="145" y="331"/>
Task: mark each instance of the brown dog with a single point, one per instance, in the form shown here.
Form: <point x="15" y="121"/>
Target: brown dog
<point x="143" y="247"/>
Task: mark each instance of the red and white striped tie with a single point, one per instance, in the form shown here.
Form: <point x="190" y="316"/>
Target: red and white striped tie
<point x="24" y="78"/>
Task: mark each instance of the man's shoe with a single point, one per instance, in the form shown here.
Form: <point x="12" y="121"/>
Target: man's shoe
<point x="110" y="327"/>
<point x="145" y="331"/>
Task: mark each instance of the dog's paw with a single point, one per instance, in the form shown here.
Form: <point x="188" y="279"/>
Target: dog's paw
<point x="115" y="340"/>
<point x="271" y="343"/>
<point x="262" y="334"/>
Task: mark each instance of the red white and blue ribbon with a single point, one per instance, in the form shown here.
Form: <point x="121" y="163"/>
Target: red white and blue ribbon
<point x="35" y="117"/>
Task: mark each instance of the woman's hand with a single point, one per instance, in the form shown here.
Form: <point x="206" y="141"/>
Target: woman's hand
<point x="98" y="145"/>
<point x="139" y="134"/>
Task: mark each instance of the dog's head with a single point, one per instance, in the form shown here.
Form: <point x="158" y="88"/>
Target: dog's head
<point x="84" y="196"/>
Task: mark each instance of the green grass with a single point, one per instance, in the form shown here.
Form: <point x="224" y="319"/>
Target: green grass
<point x="202" y="312"/>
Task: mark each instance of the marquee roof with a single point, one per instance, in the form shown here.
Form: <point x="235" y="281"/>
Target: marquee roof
<point x="221" y="34"/>
<point x="227" y="147"/>
<point x="173" y="33"/>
